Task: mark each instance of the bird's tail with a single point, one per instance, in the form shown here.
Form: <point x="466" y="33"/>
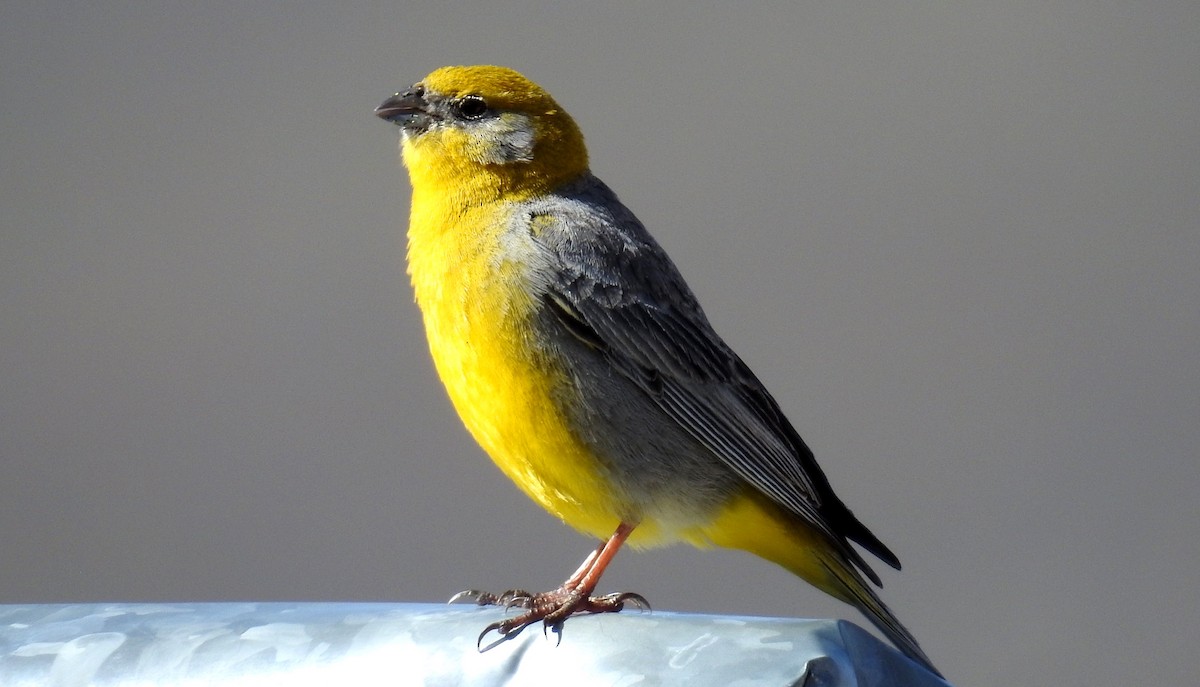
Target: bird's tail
<point x="753" y="523"/>
<point x="847" y="584"/>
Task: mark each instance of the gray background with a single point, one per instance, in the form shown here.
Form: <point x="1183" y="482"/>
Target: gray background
<point x="959" y="241"/>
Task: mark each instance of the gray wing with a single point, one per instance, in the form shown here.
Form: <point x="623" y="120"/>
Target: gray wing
<point x="615" y="289"/>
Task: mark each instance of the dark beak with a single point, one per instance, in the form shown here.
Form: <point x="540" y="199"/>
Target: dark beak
<point x="401" y="109"/>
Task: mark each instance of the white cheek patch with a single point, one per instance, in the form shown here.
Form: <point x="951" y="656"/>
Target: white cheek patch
<point x="504" y="139"/>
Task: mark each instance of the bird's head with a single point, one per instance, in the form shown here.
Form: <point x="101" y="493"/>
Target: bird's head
<point x="485" y="127"/>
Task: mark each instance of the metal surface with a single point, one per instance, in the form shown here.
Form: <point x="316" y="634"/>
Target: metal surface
<point x="61" y="645"/>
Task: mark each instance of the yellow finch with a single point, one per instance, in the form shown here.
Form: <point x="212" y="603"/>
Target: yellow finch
<point x="581" y="362"/>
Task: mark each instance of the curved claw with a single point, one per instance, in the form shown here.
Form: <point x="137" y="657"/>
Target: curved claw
<point x="553" y="625"/>
<point x="479" y="642"/>
<point x="633" y="598"/>
<point x="474" y="596"/>
<point x="506" y="629"/>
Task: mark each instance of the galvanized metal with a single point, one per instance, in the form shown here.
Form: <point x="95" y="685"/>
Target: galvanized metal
<point x="426" y="644"/>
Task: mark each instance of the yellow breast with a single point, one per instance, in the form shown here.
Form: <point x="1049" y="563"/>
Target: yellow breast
<point x="472" y="284"/>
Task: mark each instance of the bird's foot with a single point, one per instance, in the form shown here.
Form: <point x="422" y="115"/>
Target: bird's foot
<point x="551" y="608"/>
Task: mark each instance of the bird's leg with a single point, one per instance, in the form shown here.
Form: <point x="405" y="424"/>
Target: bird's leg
<point x="519" y="597"/>
<point x="554" y="607"/>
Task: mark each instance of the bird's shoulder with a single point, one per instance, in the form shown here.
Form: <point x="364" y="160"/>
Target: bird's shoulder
<point x="599" y="251"/>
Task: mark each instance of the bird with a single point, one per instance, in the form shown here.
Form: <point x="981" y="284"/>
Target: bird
<point x="582" y="363"/>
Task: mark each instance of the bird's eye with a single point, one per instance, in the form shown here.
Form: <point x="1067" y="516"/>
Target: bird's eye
<point x="471" y="107"/>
